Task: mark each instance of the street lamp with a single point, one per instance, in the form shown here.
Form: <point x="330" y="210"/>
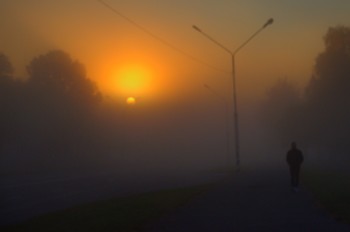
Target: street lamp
<point x="233" y="54"/>
<point x="227" y="131"/>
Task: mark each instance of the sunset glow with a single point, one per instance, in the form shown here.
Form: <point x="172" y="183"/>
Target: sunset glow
<point x="131" y="101"/>
<point x="133" y="79"/>
<point x="108" y="98"/>
<point x="125" y="61"/>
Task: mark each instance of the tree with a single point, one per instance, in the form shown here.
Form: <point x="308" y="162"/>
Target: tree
<point x="328" y="91"/>
<point x="8" y="102"/>
<point x="337" y="39"/>
<point x="57" y="73"/>
<point x="59" y="91"/>
<point x="6" y="68"/>
<point x="331" y="78"/>
<point x="53" y="121"/>
<point x="61" y="102"/>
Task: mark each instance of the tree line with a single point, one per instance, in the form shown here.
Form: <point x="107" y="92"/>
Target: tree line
<point x="319" y="115"/>
<point x="55" y="120"/>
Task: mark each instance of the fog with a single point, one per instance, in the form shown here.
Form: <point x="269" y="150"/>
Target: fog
<point x="61" y="132"/>
<point x="58" y="121"/>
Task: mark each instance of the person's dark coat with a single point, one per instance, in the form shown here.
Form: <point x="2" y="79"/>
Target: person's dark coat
<point x="295" y="157"/>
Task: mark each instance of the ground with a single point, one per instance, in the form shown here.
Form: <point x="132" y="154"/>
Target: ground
<point x="252" y="200"/>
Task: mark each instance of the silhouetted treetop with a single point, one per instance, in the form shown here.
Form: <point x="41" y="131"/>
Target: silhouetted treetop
<point x="332" y="68"/>
<point x="6" y="68"/>
<point x="338" y="39"/>
<point x="58" y="72"/>
<point x="328" y="92"/>
<point x="7" y="83"/>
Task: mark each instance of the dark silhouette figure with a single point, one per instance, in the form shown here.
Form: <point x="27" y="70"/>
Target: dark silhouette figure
<point x="294" y="159"/>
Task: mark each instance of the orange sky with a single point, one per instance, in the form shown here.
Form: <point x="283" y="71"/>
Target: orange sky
<point x="107" y="44"/>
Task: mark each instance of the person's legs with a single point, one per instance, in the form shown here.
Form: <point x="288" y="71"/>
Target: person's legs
<point x="297" y="172"/>
<point x="292" y="176"/>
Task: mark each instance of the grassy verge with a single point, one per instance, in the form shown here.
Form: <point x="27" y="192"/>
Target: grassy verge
<point x="120" y="214"/>
<point x="332" y="190"/>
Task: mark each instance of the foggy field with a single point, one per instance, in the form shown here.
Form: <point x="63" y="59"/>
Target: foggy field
<point x="331" y="189"/>
<point x="119" y="214"/>
<point x="24" y="198"/>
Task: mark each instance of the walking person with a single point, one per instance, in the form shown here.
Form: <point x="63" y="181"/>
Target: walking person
<point x="294" y="159"/>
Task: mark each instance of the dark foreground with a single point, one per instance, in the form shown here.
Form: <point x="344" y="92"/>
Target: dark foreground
<point x="252" y="201"/>
<point x="24" y="198"/>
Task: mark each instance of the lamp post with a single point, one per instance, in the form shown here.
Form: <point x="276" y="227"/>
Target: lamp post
<point x="227" y="131"/>
<point x="234" y="91"/>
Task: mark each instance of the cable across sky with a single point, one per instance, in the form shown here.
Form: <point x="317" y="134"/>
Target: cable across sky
<point x="158" y="38"/>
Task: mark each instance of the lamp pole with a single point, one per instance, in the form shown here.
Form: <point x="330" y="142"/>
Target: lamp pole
<point x="227" y="131"/>
<point x="234" y="90"/>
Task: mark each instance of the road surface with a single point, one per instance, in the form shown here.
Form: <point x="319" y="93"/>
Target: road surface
<point x="253" y="200"/>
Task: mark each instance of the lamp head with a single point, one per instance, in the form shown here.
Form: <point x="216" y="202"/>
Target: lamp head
<point x="269" y="22"/>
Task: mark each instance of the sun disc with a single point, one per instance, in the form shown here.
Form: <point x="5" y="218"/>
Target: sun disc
<point x="131" y="101"/>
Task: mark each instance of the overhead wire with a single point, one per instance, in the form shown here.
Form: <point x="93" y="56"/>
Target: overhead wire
<point x="158" y="38"/>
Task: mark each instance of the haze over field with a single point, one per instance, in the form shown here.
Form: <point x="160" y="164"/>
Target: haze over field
<point x="128" y="86"/>
<point x="148" y="50"/>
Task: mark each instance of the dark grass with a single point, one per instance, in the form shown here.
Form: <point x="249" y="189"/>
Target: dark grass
<point x="121" y="214"/>
<point x="332" y="191"/>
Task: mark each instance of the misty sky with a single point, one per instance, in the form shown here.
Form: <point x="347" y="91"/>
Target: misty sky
<point x="106" y="43"/>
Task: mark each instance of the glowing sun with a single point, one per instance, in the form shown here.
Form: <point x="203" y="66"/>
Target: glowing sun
<point x="131" y="101"/>
<point x="133" y="80"/>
